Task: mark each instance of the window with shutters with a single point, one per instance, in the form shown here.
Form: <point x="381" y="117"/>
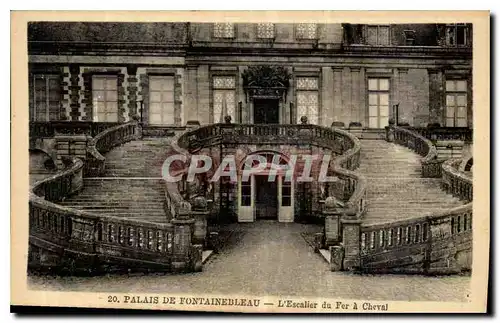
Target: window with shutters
<point x="223" y="30"/>
<point x="456" y="103"/>
<point x="265" y="30"/>
<point x="161" y="100"/>
<point x="306" y="31"/>
<point x="378" y="102"/>
<point x="307" y="99"/>
<point x="224" y="101"/>
<point x="46" y="98"/>
<point x="105" y="98"/>
<point x="377" y="35"/>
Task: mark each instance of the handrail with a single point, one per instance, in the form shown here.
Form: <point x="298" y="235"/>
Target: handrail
<point x="376" y="238"/>
<point x="104" y="141"/>
<point x="48" y="129"/>
<point x="431" y="166"/>
<point x="334" y="139"/>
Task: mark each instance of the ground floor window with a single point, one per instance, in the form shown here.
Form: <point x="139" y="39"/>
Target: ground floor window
<point x="46" y="98"/>
<point x="105" y="98"/>
<point x="378" y="102"/>
<point x="456" y="103"/>
<point x="161" y="100"/>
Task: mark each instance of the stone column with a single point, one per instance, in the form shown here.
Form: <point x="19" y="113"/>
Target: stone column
<point x="435" y="96"/>
<point x="362" y="98"/>
<point x="191" y="95"/>
<point x="337" y="96"/>
<point x="183" y="226"/>
<point x="351" y="235"/>
<point x="132" y="92"/>
<point x="404" y="106"/>
<point x="327" y="97"/>
<point x="355" y="96"/>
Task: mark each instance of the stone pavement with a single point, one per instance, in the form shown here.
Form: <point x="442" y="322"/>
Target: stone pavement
<point x="270" y="258"/>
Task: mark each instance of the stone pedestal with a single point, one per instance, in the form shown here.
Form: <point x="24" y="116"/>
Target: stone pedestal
<point x="351" y="240"/>
<point x="336" y="258"/>
<point x="70" y="146"/>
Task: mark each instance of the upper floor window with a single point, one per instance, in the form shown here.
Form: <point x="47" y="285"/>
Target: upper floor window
<point x="46" y="98"/>
<point x="457" y="35"/>
<point x="377" y="35"/>
<point x="105" y="98"/>
<point x="307" y="99"/>
<point x="265" y="30"/>
<point x="223" y="30"/>
<point x="306" y="31"/>
<point x="456" y="103"/>
<point x="224" y="97"/>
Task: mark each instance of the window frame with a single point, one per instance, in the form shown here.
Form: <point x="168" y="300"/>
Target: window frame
<point x="215" y="36"/>
<point x="94" y="108"/>
<point x="455" y="93"/>
<point x="265" y="38"/>
<point x="47" y="77"/>
<point x="299" y="36"/>
<point x="378" y="91"/>
<point x="455" y="28"/>
<point x="316" y="91"/>
<point x="388" y="26"/>
<point x="213" y="91"/>
<point x="150" y="76"/>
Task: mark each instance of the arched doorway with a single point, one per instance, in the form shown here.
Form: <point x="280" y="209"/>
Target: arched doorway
<point x="265" y="193"/>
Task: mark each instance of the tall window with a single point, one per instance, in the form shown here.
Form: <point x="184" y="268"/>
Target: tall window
<point x="265" y="30"/>
<point x="306" y="31"/>
<point x="378" y="102"/>
<point x="105" y="98"/>
<point x="246" y="193"/>
<point x="47" y="97"/>
<point x="307" y="99"/>
<point x="457" y="35"/>
<point x="223" y="30"/>
<point x="224" y="92"/>
<point x="161" y="100"/>
<point x="456" y="103"/>
<point x="377" y="35"/>
<point x="286" y="193"/>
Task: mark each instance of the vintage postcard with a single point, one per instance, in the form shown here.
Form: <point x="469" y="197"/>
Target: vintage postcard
<point x="278" y="162"/>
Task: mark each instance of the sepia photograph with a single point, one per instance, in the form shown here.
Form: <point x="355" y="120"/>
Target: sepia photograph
<point x="251" y="162"/>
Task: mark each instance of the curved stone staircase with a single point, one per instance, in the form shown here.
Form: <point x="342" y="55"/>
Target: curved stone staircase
<point x="131" y="186"/>
<point x="396" y="189"/>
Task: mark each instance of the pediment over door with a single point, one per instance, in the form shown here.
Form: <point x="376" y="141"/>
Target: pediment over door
<point x="266" y="82"/>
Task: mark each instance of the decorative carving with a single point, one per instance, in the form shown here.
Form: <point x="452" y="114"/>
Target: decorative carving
<point x="266" y="82"/>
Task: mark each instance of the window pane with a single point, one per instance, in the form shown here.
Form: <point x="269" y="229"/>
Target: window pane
<point x="450" y="112"/>
<point x="384" y="110"/>
<point x="384" y="99"/>
<point x="111" y="107"/>
<point x="461" y="86"/>
<point x="155" y="118"/>
<point x="307" y="83"/>
<point x="450" y="100"/>
<point x="154" y="108"/>
<point x="111" y="95"/>
<point x="155" y="97"/>
<point x="313" y="119"/>
<point x="449" y="122"/>
<point x="168" y="113"/>
<point x="372" y="84"/>
<point x="111" y="83"/>
<point x="54" y="83"/>
<point x="98" y="95"/>
<point x="383" y="36"/>
<point x="373" y="122"/>
<point x="54" y="96"/>
<point x="461" y="112"/>
<point x="371" y="36"/>
<point x="40" y="83"/>
<point x="384" y="121"/>
<point x="373" y="111"/>
<point x="461" y="122"/>
<point x="98" y="106"/>
<point x="450" y="85"/>
<point x="154" y="84"/>
<point x="97" y="83"/>
<point x="384" y="84"/>
<point x="372" y="99"/>
<point x="112" y="117"/>
<point x="461" y="100"/>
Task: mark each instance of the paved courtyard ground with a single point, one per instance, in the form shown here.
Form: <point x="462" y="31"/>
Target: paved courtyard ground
<point x="270" y="258"/>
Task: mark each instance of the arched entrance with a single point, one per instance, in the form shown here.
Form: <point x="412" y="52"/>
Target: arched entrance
<point x="265" y="192"/>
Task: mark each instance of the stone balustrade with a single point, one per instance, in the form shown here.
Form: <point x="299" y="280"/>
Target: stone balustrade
<point x="48" y="129"/>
